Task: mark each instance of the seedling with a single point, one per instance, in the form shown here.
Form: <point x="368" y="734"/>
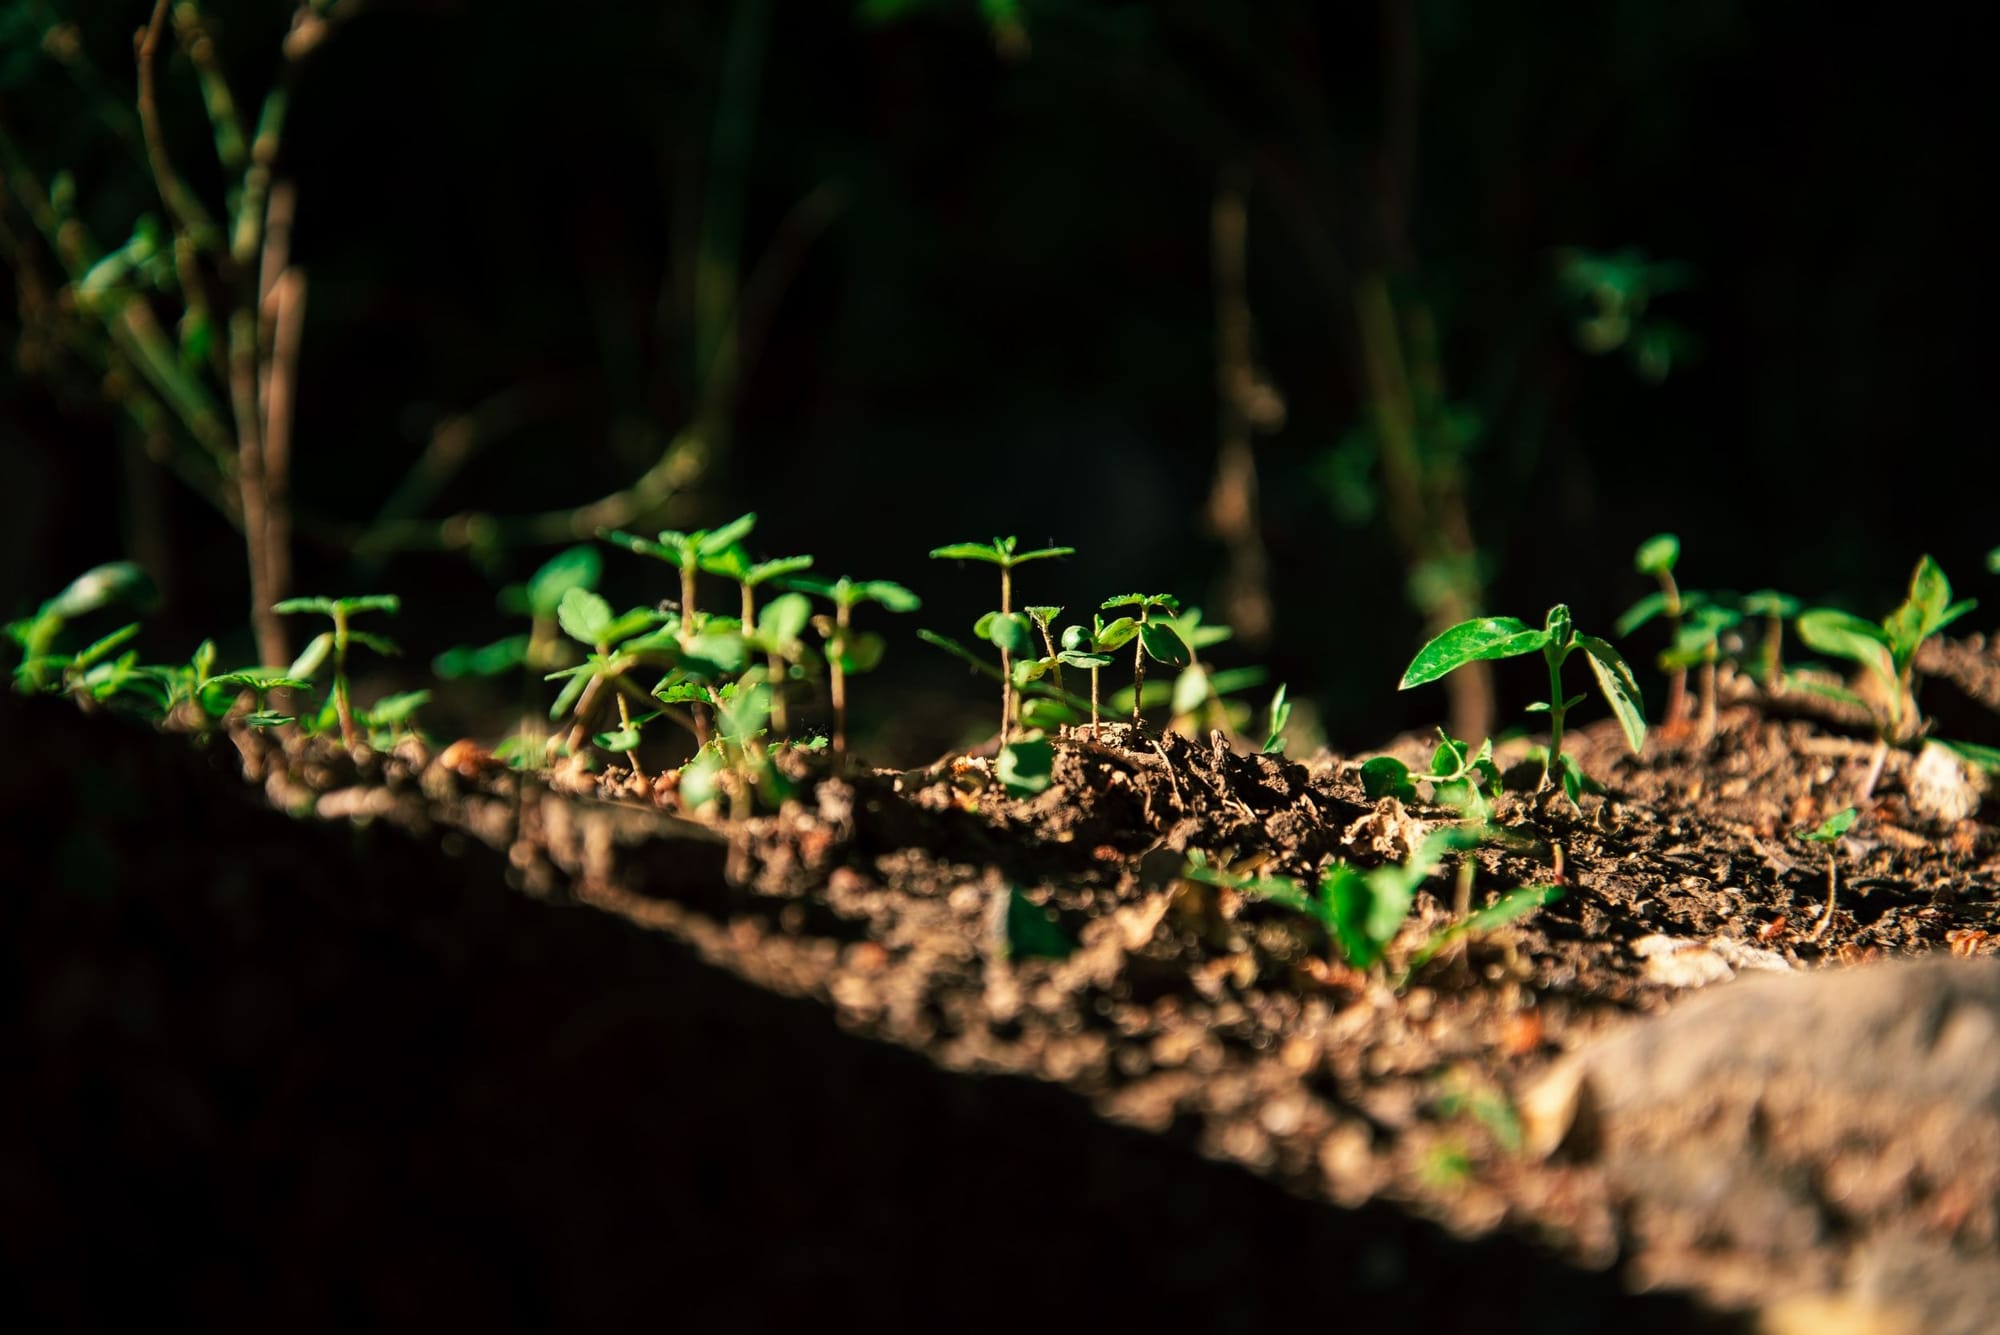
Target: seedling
<point x="779" y="649"/>
<point x="1456" y="775"/>
<point x="337" y="642"/>
<point x="1888" y="653"/>
<point x="1698" y="641"/>
<point x="539" y="598"/>
<point x="1196" y="698"/>
<point x="392" y="716"/>
<point x="1156" y="638"/>
<point x="97" y="588"/>
<point x="1828" y="832"/>
<point x="616" y="645"/>
<point x="849" y="651"/>
<point x="259" y="683"/>
<point x="1488" y="638"/>
<point x="1276" y="719"/>
<point x="1657" y="557"/>
<point x="1003" y="628"/>
<point x="1090" y="647"/>
<point x="687" y="553"/>
<point x="1776" y="609"/>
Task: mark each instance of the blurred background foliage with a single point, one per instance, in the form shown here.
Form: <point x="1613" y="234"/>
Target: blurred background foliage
<point x="1336" y="319"/>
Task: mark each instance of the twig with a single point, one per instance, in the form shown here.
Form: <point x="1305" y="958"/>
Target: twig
<point x="186" y="210"/>
<point x="1244" y="402"/>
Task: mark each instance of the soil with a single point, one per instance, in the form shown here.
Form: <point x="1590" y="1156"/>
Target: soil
<point x="445" y="1043"/>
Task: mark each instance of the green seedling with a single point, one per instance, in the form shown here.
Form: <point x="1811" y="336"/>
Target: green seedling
<point x="616" y="646"/>
<point x="1277" y="717"/>
<point x="1698" y="642"/>
<point x="36" y="636"/>
<point x="1887" y="652"/>
<point x="337" y="642"/>
<point x="780" y="650"/>
<point x="1091" y="647"/>
<point x="1776" y="609"/>
<point x="1456" y="776"/>
<point x="392" y="717"/>
<point x="737" y="763"/>
<point x="1509" y="908"/>
<point x="1828" y="832"/>
<point x="1043" y="706"/>
<point x="1198" y="695"/>
<point x="849" y="651"/>
<point x="1156" y="638"/>
<point x="1657" y="557"/>
<point x="688" y="553"/>
<point x="1486" y="638"/>
<point x="1006" y="629"/>
<point x="258" y="683"/>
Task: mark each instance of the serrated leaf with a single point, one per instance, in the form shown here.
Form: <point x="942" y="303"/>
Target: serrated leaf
<point x="1469" y="642"/>
<point x="715" y="656"/>
<point x="584" y="616"/>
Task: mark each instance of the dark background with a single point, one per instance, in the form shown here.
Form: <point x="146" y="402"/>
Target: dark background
<point x="1009" y="325"/>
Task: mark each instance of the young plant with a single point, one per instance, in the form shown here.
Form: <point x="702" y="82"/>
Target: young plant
<point x="1155" y="638"/>
<point x="735" y="564"/>
<point x="36" y="636"/>
<point x="258" y="683"/>
<point x="616" y="646"/>
<point x="848" y="651"/>
<point x="1887" y="651"/>
<point x="1487" y="638"/>
<point x="1196" y="699"/>
<point x="1698" y="641"/>
<point x="687" y="553"/>
<point x="1090" y="647"/>
<point x="336" y="642"/>
<point x="539" y="649"/>
<point x="1657" y="557"/>
<point x="1456" y="776"/>
<point x="1776" y="609"/>
<point x="1828" y="832"/>
<point x="1276" y="719"/>
<point x="1006" y="629"/>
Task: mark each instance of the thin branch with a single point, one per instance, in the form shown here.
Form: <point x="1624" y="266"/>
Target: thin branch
<point x="186" y="210"/>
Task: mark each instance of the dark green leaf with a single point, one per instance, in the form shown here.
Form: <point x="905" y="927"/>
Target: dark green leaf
<point x="1008" y="630"/>
<point x="1033" y="932"/>
<point x="1026" y="767"/>
<point x="1386" y="776"/>
<point x="1164" y="646"/>
<point x="1614" y="678"/>
<point x="1276" y="718"/>
<point x="1469" y="642"/>
<point x="488" y="660"/>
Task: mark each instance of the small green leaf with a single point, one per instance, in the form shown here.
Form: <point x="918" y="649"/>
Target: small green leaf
<point x="312" y="656"/>
<point x="1510" y="907"/>
<point x="784" y="619"/>
<point x="1277" y="717"/>
<point x="1117" y="634"/>
<point x="1026" y="766"/>
<point x="1006" y="630"/>
<point x="715" y="655"/>
<point x="100" y="586"/>
<point x="1614" y="678"/>
<point x="102" y="648"/>
<point x="380" y="644"/>
<point x="1769" y="603"/>
<point x="1042" y="712"/>
<point x="890" y="596"/>
<point x="1386" y="776"/>
<point x="392" y="710"/>
<point x="1033" y="932"/>
<point x="1639" y="613"/>
<point x="1657" y="554"/>
<point x="1163" y="645"/>
<point x="1830" y="829"/>
<point x="1190" y="690"/>
<point x="1363" y="912"/>
<point x="716" y="541"/>
<point x="863" y="652"/>
<point x="584" y="616"/>
<point x="969" y="551"/>
<point x="1469" y="642"/>
<point x="574" y="568"/>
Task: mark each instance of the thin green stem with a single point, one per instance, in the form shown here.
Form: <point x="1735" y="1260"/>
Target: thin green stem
<point x="1554" y="658"/>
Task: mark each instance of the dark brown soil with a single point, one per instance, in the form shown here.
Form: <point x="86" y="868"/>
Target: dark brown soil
<point x="327" y="1072"/>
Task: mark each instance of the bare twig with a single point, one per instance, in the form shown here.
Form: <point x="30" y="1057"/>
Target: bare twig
<point x="1245" y="402"/>
<point x="186" y="210"/>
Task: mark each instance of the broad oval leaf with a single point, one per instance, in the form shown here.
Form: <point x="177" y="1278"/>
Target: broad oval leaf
<point x="1470" y="642"/>
<point x="784" y="619"/>
<point x="1386" y="776"/>
<point x="1026" y="767"/>
<point x="574" y="568"/>
<point x="1118" y="634"/>
<point x="583" y="616"/>
<point x="1614" y="678"/>
<point x="862" y="653"/>
<point x="1846" y="636"/>
<point x="1163" y="645"/>
<point x="1657" y="554"/>
<point x="1006" y="630"/>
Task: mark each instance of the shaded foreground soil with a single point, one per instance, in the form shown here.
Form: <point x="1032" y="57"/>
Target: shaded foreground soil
<point x="331" y="1071"/>
<point x="265" y="1073"/>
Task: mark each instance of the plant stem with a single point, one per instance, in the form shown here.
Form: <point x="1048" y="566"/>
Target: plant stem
<point x="1826" y="918"/>
<point x="1556" y="711"/>
<point x="1006" y="659"/>
<point x="1138" y="673"/>
<point x="625" y="722"/>
<point x="1676" y="680"/>
<point x="342" y="706"/>
<point x="1774" y="672"/>
<point x="837" y="676"/>
<point x="1708" y="695"/>
<point x="1094" y="734"/>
